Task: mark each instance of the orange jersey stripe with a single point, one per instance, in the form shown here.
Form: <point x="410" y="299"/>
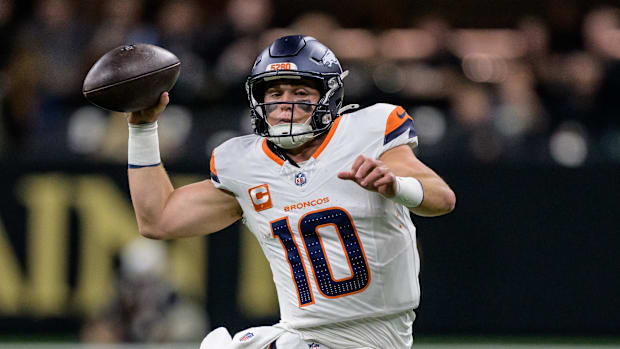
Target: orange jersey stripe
<point x="212" y="163"/>
<point x="329" y="136"/>
<point x="270" y="154"/>
<point x="397" y="117"/>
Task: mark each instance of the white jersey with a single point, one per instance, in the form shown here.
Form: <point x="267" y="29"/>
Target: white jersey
<point x="337" y="252"/>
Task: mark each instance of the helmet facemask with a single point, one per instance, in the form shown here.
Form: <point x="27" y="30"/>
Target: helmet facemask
<point x="293" y="134"/>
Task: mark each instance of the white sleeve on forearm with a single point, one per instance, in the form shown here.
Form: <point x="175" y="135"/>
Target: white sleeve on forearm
<point x="143" y="145"/>
<point x="409" y="192"/>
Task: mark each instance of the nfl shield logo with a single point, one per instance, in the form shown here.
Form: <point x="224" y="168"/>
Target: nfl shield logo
<point x="246" y="337"/>
<point x="300" y="179"/>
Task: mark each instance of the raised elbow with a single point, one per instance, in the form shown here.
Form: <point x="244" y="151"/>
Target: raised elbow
<point x="152" y="233"/>
<point x="443" y="203"/>
<point x="449" y="201"/>
<point x="440" y="203"/>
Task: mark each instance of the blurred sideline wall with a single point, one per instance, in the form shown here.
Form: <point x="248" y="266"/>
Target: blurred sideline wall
<point x="542" y="262"/>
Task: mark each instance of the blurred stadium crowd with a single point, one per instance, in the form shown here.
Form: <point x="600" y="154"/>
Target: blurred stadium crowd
<point x="542" y="91"/>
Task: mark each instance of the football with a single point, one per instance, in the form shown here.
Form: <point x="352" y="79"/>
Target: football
<point x="131" y="77"/>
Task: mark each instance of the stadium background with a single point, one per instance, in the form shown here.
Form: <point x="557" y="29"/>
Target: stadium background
<point x="514" y="102"/>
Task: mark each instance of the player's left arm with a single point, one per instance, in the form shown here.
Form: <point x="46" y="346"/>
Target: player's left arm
<point x="379" y="175"/>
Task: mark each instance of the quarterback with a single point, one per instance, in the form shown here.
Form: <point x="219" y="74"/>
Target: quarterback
<point x="326" y="189"/>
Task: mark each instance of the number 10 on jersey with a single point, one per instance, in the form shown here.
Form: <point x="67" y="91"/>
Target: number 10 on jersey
<point x="308" y="227"/>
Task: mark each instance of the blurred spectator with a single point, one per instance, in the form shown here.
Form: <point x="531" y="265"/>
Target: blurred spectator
<point x="19" y="99"/>
<point x="439" y="28"/>
<point x="241" y="18"/>
<point x="600" y="32"/>
<point x="520" y="110"/>
<point x="229" y="45"/>
<point x="7" y="30"/>
<point x="471" y="109"/>
<point x="178" y="22"/>
<point x="564" y="18"/>
<point x="569" y="87"/>
<point x="536" y="34"/>
<point x="248" y="17"/>
<point x="319" y="25"/>
<point x="119" y="23"/>
<point x="49" y="51"/>
<point x="58" y="37"/>
<point x="231" y="69"/>
<point x="602" y="36"/>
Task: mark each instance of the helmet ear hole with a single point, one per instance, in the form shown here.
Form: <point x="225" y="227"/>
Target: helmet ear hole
<point x="326" y="119"/>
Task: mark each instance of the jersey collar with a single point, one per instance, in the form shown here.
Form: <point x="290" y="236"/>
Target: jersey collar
<point x="273" y="156"/>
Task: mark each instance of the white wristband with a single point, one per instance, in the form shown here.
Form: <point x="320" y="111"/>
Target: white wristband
<point x="409" y="192"/>
<point x="143" y="145"/>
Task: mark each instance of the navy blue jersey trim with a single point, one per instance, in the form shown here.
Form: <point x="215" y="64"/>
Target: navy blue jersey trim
<point x="407" y="125"/>
<point x="214" y="177"/>
<point x="141" y="166"/>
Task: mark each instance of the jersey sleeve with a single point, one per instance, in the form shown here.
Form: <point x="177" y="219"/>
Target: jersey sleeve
<point x="215" y="179"/>
<point x="398" y="129"/>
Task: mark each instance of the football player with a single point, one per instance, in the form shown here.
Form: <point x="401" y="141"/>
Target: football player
<point x="327" y="192"/>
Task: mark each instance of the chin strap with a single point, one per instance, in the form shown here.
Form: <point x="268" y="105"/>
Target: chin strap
<point x="347" y="108"/>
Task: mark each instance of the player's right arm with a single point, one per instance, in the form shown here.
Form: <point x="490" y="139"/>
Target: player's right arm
<point x="163" y="212"/>
<point x="194" y="209"/>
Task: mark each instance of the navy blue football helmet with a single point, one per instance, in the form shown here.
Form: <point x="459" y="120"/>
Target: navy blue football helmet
<point x="296" y="57"/>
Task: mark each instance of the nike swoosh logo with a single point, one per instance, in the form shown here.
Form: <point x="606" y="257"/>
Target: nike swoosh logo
<point x="400" y="116"/>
